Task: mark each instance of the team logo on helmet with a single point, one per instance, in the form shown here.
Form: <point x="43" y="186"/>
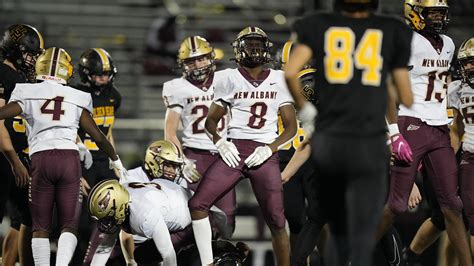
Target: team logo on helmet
<point x="54" y="64"/>
<point x="163" y="159"/>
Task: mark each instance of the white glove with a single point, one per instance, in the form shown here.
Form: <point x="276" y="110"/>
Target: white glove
<point x="85" y="155"/>
<point x="190" y="172"/>
<point x="117" y="165"/>
<point x="259" y="155"/>
<point x="228" y="152"/>
<point x="307" y="116"/>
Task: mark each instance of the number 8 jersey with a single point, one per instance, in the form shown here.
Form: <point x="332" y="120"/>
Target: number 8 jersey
<point x="193" y="103"/>
<point x="253" y="103"/>
<point x="52" y="112"/>
<point x="429" y="68"/>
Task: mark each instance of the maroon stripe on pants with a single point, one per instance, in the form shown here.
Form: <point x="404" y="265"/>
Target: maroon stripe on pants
<point x="430" y="144"/>
<point x="466" y="166"/>
<point x="265" y="180"/>
<point x="55" y="179"/>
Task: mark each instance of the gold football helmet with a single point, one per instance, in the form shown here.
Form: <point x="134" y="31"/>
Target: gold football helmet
<point x="308" y="89"/>
<point x="466" y="61"/>
<point x="108" y="204"/>
<point x="419" y="13"/>
<point x="252" y="47"/>
<point x="284" y="55"/>
<point x="54" y="64"/>
<point x="163" y="159"/>
<point x="191" y="52"/>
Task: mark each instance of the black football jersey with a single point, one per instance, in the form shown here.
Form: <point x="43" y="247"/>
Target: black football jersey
<point x="353" y="57"/>
<point x="16" y="126"/>
<point x="105" y="103"/>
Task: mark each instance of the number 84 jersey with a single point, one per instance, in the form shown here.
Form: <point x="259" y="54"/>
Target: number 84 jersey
<point x="429" y="70"/>
<point x="192" y="102"/>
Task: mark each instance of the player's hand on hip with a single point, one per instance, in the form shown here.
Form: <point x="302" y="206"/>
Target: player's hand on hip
<point x="401" y="148"/>
<point x="259" y="155"/>
<point x="118" y="166"/>
<point x="228" y="152"/>
<point x="85" y="155"/>
<point x="307" y="116"/>
<point x="22" y="177"/>
<point x="190" y="173"/>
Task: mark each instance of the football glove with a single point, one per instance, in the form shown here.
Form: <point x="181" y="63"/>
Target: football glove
<point x="117" y="165"/>
<point x="228" y="152"/>
<point x="85" y="155"/>
<point x="190" y="173"/>
<point x="259" y="155"/>
<point x="307" y="116"/>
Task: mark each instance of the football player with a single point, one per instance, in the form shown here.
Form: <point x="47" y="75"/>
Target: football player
<point x="188" y="100"/>
<point x="21" y="46"/>
<point x="53" y="112"/>
<point x="254" y="95"/>
<point x="424" y="126"/>
<point x="349" y="45"/>
<point x="296" y="185"/>
<point x="163" y="162"/>
<point x="97" y="72"/>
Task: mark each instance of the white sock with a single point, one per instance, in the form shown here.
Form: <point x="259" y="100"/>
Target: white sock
<point x="41" y="251"/>
<point x="203" y="235"/>
<point x="66" y="245"/>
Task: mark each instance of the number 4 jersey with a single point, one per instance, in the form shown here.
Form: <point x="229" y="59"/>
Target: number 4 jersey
<point x="429" y="68"/>
<point x="193" y="103"/>
<point x="52" y="112"/>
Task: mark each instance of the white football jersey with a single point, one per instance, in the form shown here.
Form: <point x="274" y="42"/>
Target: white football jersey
<point x="52" y="112"/>
<point x="157" y="201"/>
<point x="253" y="105"/>
<point x="461" y="97"/>
<point x="429" y="70"/>
<point x="194" y="103"/>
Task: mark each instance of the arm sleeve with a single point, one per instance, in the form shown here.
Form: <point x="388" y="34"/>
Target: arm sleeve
<point x="402" y="45"/>
<point x="162" y="239"/>
<point x="170" y="97"/>
<point x="453" y="94"/>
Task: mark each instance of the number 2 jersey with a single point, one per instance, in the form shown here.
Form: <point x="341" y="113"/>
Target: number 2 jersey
<point x="105" y="104"/>
<point x="353" y="57"/>
<point x="52" y="112"/>
<point x="254" y="104"/>
<point x="429" y="70"/>
<point x="193" y="103"/>
<point x="461" y="97"/>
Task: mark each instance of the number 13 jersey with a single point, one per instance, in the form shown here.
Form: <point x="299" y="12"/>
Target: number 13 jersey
<point x="52" y="112"/>
<point x="429" y="68"/>
<point x="193" y="103"/>
<point x="254" y="104"/>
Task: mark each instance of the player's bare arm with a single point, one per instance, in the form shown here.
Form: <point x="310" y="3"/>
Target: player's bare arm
<point x="300" y="55"/>
<point x="172" y="120"/>
<point x="288" y="117"/>
<point x="302" y="153"/>
<point x="401" y="80"/>
<point x="128" y="246"/>
<point x="90" y="127"/>
<point x="216" y="112"/>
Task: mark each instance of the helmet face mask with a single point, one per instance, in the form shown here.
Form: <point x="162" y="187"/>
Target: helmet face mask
<point x="252" y="47"/>
<point x="436" y="19"/>
<point x="199" y="68"/>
